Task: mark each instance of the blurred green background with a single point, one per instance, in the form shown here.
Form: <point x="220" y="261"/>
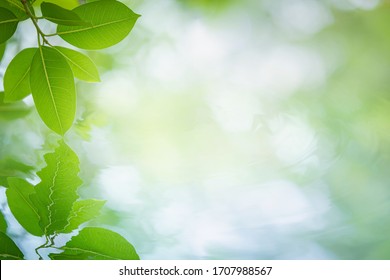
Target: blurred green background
<point x="236" y="129"/>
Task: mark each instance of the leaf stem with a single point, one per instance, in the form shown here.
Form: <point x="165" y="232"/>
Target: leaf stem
<point x="34" y="20"/>
<point x="48" y="244"/>
<point x="51" y="35"/>
<point x="41" y="247"/>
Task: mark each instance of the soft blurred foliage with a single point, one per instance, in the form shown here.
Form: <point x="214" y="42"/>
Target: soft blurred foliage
<point x="233" y="130"/>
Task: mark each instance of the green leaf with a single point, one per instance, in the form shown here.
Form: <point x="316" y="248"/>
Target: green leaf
<point x="55" y="194"/>
<point x="12" y="111"/>
<point x="8" y="24"/>
<point x="97" y="244"/>
<point x="53" y="89"/>
<point x="82" y="66"/>
<point x="111" y="22"/>
<point x="3" y="223"/>
<point x="59" y="15"/>
<point x="16" y="7"/>
<point x="17" y="76"/>
<point x="2" y="50"/>
<point x="67" y="4"/>
<point x="83" y="211"/>
<point x="8" y="249"/>
<point x="18" y="196"/>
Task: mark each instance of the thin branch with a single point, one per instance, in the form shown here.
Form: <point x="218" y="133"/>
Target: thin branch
<point x="33" y="19"/>
<point x="41" y="247"/>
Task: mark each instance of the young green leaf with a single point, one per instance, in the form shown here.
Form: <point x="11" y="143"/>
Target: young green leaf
<point x="53" y="89"/>
<point x="83" y="211"/>
<point x="111" y="22"/>
<point x="82" y="66"/>
<point x="55" y="194"/>
<point x="14" y="110"/>
<point x="97" y="244"/>
<point x="16" y="7"/>
<point x="2" y="50"/>
<point x="3" y="223"/>
<point x="59" y="15"/>
<point x="8" y="249"/>
<point x="17" y="76"/>
<point x="8" y="24"/>
<point x="21" y="206"/>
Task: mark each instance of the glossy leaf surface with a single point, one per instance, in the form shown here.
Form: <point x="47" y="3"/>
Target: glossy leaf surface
<point x="111" y="22"/>
<point x="18" y="196"/>
<point x="17" y="76"/>
<point x="82" y="66"/>
<point x="59" y="15"/>
<point x="53" y="89"/>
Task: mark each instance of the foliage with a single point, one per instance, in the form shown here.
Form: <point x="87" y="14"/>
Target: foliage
<point x="8" y="249"/>
<point x="3" y="223"/>
<point x="97" y="243"/>
<point x="53" y="206"/>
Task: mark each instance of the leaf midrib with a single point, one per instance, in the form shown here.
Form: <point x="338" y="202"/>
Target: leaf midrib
<point x="88" y="251"/>
<point x="94" y="26"/>
<point x="64" y="20"/>
<point x="11" y="256"/>
<point x="9" y="21"/>
<point x="28" y="203"/>
<point x="20" y="81"/>
<point x="50" y="89"/>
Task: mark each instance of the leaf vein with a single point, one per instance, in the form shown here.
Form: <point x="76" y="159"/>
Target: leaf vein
<point x="94" y="26"/>
<point x="50" y="88"/>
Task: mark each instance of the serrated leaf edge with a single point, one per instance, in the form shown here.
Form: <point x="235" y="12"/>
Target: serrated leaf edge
<point x="74" y="215"/>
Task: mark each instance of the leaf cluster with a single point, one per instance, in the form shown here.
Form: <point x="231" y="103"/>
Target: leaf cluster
<point x="53" y="207"/>
<point x="47" y="71"/>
